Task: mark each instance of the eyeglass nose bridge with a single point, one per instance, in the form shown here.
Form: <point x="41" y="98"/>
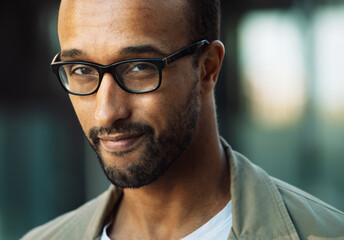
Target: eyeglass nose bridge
<point x="159" y="63"/>
<point x="110" y="69"/>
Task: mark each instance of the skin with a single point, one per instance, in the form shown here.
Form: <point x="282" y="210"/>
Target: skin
<point x="196" y="186"/>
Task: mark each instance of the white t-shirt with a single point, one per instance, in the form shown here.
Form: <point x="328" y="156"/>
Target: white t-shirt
<point x="217" y="228"/>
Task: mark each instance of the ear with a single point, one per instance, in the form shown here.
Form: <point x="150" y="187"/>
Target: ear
<point x="210" y="65"/>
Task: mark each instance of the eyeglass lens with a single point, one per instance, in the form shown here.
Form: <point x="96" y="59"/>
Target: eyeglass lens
<point x="133" y="76"/>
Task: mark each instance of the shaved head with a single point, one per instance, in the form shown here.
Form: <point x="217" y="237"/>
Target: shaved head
<point x="77" y="16"/>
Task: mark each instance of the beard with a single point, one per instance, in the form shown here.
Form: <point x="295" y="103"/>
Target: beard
<point x="159" y="152"/>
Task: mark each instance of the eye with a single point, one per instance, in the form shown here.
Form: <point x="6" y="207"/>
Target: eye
<point x="82" y="70"/>
<point x="142" y="67"/>
<point x="136" y="70"/>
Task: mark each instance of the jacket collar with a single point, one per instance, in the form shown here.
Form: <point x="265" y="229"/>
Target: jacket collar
<point x="107" y="201"/>
<point x="258" y="210"/>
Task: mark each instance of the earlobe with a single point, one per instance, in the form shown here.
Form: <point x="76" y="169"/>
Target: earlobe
<point x="210" y="65"/>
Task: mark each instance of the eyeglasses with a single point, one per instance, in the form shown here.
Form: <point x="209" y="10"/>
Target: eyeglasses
<point x="134" y="76"/>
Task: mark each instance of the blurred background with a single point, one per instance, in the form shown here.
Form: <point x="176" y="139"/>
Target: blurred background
<point x="280" y="102"/>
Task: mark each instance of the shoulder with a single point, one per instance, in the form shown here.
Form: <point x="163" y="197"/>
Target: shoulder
<point x="58" y="226"/>
<point x="75" y="224"/>
<point x="310" y="215"/>
<point x="286" y="210"/>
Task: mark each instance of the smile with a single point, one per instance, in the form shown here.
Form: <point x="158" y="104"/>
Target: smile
<point x="120" y="142"/>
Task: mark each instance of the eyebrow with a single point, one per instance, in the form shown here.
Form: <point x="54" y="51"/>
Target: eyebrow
<point x="140" y="49"/>
<point x="72" y="53"/>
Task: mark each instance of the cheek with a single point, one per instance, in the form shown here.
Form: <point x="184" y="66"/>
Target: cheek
<point x="84" y="109"/>
<point x="159" y="108"/>
<point x="152" y="109"/>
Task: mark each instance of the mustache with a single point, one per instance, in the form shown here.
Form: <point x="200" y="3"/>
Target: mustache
<point x="133" y="127"/>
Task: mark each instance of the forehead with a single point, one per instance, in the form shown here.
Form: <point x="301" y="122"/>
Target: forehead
<point x="115" y="24"/>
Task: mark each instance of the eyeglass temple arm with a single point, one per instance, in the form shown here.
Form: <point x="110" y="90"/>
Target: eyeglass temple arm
<point x="57" y="56"/>
<point x="189" y="50"/>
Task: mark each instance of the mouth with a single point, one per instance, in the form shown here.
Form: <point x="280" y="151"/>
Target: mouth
<point x="123" y="142"/>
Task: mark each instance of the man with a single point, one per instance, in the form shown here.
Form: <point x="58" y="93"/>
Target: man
<point x="140" y="76"/>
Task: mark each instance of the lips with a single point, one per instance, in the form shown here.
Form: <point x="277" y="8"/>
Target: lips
<point x="120" y="142"/>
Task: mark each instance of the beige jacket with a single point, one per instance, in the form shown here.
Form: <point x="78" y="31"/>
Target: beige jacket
<point x="264" y="208"/>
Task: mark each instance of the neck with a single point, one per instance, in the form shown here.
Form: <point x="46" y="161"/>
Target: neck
<point x="191" y="192"/>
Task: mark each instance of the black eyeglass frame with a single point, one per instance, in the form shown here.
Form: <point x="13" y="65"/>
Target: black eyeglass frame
<point x="102" y="69"/>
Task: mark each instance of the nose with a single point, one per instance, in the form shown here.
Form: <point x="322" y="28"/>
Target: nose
<point x="112" y="103"/>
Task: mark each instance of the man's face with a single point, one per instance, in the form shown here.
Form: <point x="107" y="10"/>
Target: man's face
<point x="136" y="136"/>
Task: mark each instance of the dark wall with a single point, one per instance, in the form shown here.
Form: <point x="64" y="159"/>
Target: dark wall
<point x="41" y="142"/>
